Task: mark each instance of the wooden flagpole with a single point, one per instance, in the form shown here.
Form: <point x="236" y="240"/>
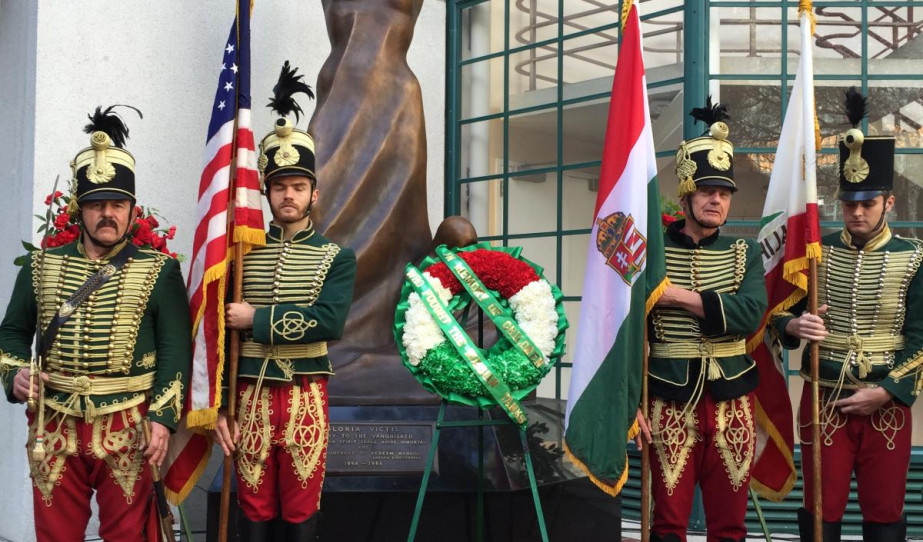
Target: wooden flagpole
<point x="234" y="347"/>
<point x="815" y="411"/>
<point x="233" y="357"/>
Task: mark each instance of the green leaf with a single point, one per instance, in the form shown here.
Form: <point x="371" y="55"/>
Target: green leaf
<point x="40" y="217"/>
<point x="29" y="246"/>
<point x="21" y="260"/>
<point x="42" y="228"/>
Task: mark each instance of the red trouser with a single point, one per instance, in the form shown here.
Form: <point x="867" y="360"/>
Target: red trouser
<point x="76" y="464"/>
<point x="283" y="449"/>
<point x="876" y="447"/>
<point x="711" y="445"/>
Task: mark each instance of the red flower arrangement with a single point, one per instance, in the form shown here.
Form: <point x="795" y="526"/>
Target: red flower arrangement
<point x="64" y="228"/>
<point x="497" y="270"/>
<point x="670" y="212"/>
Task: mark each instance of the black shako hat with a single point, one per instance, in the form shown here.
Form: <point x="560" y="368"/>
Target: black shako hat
<point x="104" y="170"/>
<point x="866" y="162"/>
<point x="707" y="160"/>
<point x="286" y="150"/>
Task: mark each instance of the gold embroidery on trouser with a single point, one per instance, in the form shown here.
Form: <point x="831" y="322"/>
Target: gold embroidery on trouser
<point x="120" y="449"/>
<point x="307" y="431"/>
<point x="255" y="434"/>
<point x="888" y="421"/>
<point x="675" y="432"/>
<point x="59" y="444"/>
<point x="831" y="420"/>
<point x="734" y="438"/>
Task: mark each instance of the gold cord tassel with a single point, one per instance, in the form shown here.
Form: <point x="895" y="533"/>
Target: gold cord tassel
<point x="686" y="186"/>
<point x="714" y="372"/>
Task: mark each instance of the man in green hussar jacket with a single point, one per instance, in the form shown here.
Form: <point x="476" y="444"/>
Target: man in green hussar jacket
<point x="701" y="379"/>
<point x="297" y="291"/>
<point x="115" y="341"/>
<point x="871" y="347"/>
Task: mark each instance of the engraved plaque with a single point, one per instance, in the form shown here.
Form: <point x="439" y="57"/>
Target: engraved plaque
<point x="379" y="448"/>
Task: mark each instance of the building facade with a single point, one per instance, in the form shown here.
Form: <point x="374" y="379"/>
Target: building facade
<point x="516" y="94"/>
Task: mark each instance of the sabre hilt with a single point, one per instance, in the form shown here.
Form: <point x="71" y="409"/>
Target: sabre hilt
<point x="35" y="365"/>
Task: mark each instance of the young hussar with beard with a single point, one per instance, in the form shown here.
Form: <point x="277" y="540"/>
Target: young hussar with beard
<point x="296" y="295"/>
<point x="701" y="379"/>
<point x="871" y="346"/>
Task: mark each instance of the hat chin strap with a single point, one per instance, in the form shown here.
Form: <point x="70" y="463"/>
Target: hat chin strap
<point x="880" y="225"/>
<point x="307" y="211"/>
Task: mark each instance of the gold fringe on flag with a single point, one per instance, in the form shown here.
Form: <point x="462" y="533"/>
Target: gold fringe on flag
<point x="634" y="430"/>
<point x="626" y="8"/>
<point x="655" y="295"/>
<point x="251" y="236"/>
<point x="177" y="497"/>
<point x="204" y="418"/>
<point x="216" y="276"/>
<point x="816" y="131"/>
<point x="610" y="489"/>
<point x="768" y="493"/>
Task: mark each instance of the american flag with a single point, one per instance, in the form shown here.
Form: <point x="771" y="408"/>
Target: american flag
<point x="222" y="224"/>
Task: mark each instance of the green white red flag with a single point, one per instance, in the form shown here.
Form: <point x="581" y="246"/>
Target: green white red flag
<point x="790" y="237"/>
<point x="624" y="276"/>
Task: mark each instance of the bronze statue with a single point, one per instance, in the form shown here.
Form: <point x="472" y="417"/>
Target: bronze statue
<point x="371" y="156"/>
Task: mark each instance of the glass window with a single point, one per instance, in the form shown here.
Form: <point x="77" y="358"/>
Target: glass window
<point x="530" y="92"/>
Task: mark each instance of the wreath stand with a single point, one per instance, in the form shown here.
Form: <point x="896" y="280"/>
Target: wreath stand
<point x="480" y="423"/>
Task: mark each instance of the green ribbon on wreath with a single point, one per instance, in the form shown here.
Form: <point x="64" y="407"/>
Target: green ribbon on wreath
<point x="502" y="318"/>
<point x="465" y="346"/>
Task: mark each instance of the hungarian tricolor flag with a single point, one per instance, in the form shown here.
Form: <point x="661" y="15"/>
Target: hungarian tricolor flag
<point x="790" y="237"/>
<point x="625" y="274"/>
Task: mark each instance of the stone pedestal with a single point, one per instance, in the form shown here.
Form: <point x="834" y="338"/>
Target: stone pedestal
<point x="375" y="471"/>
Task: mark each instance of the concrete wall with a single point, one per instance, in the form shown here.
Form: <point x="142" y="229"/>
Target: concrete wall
<point x="17" y="136"/>
<point x="61" y="58"/>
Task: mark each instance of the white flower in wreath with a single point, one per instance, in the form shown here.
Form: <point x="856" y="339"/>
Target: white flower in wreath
<point x="533" y="308"/>
<point x="421" y="332"/>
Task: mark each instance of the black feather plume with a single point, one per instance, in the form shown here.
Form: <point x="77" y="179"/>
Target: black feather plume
<point x="857" y="107"/>
<point x="110" y="122"/>
<point x="710" y="114"/>
<point x="283" y="94"/>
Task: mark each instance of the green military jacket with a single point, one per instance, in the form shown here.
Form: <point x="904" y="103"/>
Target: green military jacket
<point x="128" y="344"/>
<point x="691" y="355"/>
<point x="874" y="318"/>
<point x="301" y="290"/>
